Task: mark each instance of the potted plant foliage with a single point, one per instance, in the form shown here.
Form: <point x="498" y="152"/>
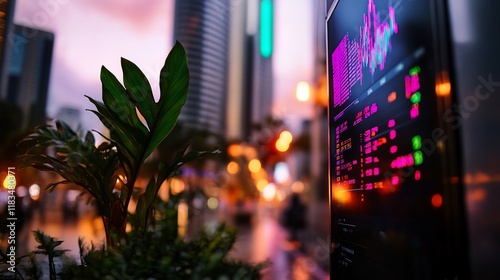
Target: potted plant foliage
<point x="137" y="124"/>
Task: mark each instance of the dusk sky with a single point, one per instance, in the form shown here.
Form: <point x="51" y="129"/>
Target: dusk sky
<point x="92" y="33"/>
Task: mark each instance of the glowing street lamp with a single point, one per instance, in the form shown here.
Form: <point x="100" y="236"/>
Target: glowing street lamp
<point x="303" y="92"/>
<point x="254" y="165"/>
<point x="269" y="192"/>
<point x="10" y="180"/>
<point x="284" y="141"/>
<point x="232" y="168"/>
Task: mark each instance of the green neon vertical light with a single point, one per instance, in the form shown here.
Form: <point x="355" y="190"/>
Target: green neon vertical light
<point x="266" y="28"/>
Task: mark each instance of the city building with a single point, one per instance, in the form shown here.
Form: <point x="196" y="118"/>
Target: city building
<point x="261" y="70"/>
<point x="6" y="22"/>
<point x="70" y="116"/>
<point x="28" y="73"/>
<point x="251" y="79"/>
<point x="202" y="27"/>
<point x="229" y="48"/>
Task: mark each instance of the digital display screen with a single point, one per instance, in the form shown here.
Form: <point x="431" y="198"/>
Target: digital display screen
<point x="388" y="200"/>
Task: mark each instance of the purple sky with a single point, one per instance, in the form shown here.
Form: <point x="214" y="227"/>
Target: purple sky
<point x="92" y="33"/>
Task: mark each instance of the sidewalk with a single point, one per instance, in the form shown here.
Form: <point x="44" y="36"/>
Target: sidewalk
<point x="265" y="240"/>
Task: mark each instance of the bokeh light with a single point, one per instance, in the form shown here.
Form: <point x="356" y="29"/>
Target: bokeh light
<point x="286" y="136"/>
<point x="213" y="203"/>
<point x="261" y="184"/>
<point x="34" y="191"/>
<point x="177" y="185"/>
<point x="437" y="200"/>
<point x="303" y="92"/>
<point x="297" y="187"/>
<point x="269" y="192"/>
<point x="340" y="194"/>
<point x="232" y="168"/>
<point x="281" y="173"/>
<point x="10" y="180"/>
<point x="254" y="165"/>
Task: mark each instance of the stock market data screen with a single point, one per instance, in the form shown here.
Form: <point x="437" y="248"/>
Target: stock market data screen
<point x="388" y="201"/>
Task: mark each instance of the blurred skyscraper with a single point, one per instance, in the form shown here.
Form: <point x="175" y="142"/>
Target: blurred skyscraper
<point x="250" y="76"/>
<point x="6" y="22"/>
<point x="229" y="48"/>
<point x="27" y="72"/>
<point x="202" y="27"/>
<point x="71" y="116"/>
<point x="4" y="13"/>
<point x="261" y="44"/>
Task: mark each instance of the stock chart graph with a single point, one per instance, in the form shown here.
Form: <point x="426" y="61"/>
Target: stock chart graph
<point x="386" y="142"/>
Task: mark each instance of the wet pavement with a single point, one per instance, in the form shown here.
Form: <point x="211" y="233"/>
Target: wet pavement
<point x="55" y="222"/>
<point x="265" y="240"/>
<point x="261" y="239"/>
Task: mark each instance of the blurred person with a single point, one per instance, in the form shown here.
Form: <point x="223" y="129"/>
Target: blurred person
<point x="293" y="217"/>
<point x="244" y="211"/>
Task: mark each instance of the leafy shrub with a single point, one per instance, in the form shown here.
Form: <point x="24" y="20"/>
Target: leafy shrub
<point x="155" y="256"/>
<point x="152" y="250"/>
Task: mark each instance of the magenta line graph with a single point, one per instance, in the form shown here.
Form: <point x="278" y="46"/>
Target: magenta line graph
<point x="351" y="57"/>
<point x="375" y="37"/>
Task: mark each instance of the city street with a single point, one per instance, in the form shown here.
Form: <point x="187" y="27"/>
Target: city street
<point x="265" y="240"/>
<point x="261" y="239"/>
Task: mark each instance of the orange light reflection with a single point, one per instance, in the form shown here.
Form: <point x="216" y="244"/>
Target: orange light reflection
<point x="341" y="194"/>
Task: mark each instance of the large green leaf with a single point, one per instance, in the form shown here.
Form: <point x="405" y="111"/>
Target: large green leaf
<point x="77" y="160"/>
<point x="131" y="141"/>
<point x="174" y="81"/>
<point x="118" y="111"/>
<point x="116" y="100"/>
<point x="138" y="87"/>
<point x="126" y="142"/>
<point x="144" y="202"/>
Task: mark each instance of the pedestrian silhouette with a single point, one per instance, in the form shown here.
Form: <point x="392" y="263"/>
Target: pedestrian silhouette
<point x="293" y="217"/>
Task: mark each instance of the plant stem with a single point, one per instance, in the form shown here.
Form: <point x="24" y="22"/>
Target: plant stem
<point x="52" y="268"/>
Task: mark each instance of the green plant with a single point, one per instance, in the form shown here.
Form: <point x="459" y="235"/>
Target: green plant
<point x="156" y="255"/>
<point x="48" y="247"/>
<point x="34" y="271"/>
<point x="152" y="250"/>
<point x="5" y="260"/>
<point x="130" y="142"/>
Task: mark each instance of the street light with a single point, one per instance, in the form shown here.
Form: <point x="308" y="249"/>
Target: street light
<point x="232" y="168"/>
<point x="10" y="180"/>
<point x="303" y="91"/>
<point x="282" y="144"/>
<point x="269" y="192"/>
<point x="254" y="165"/>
